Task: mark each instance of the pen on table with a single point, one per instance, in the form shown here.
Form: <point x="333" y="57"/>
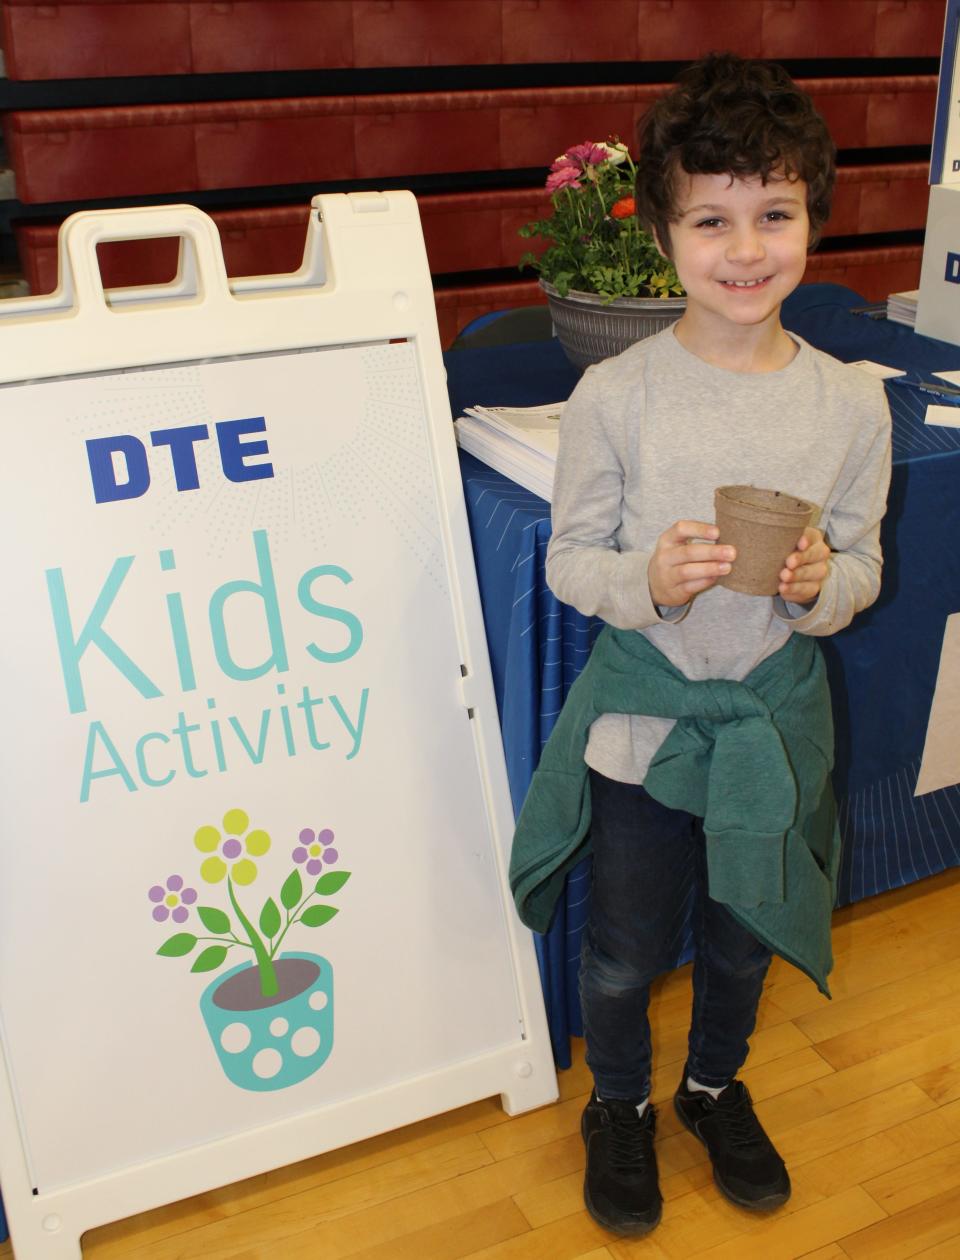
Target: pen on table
<point x="875" y="310"/>
<point x="946" y="393"/>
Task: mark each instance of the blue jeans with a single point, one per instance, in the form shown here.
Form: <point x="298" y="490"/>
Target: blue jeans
<point x="649" y="879"/>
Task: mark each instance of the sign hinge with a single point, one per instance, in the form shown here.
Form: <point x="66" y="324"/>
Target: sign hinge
<point x="468" y="690"/>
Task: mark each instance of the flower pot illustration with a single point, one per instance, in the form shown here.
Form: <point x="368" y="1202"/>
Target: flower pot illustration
<point x="270" y="1018"/>
<point x="272" y="1043"/>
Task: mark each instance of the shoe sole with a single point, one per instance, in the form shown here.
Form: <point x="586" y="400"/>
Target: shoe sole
<point x="626" y="1227"/>
<point x="767" y="1204"/>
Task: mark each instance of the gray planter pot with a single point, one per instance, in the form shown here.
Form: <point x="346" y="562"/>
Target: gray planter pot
<point x="590" y="329"/>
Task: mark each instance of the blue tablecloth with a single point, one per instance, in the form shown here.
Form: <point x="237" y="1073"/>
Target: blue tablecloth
<point x="883" y="668"/>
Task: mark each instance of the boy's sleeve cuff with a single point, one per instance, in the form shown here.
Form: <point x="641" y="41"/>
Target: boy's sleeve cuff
<point x="637" y="609"/>
<point x="673" y="614"/>
<point x="787" y="611"/>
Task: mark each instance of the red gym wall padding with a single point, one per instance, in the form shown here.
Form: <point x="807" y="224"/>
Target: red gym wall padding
<point x="62" y="155"/>
<point x="471" y="231"/>
<point x="90" y="38"/>
<point x="170" y="151"/>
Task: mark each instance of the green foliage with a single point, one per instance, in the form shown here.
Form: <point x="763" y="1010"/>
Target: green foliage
<point x="210" y="959"/>
<point x="292" y="891"/>
<point x="213" y="920"/>
<point x="270" y="918"/>
<point x="177" y="945"/>
<point x="316" y="916"/>
<point x="591" y="250"/>
<point x="331" y="882"/>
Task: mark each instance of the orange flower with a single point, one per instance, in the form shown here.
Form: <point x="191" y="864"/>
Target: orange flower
<point x="623" y="208"/>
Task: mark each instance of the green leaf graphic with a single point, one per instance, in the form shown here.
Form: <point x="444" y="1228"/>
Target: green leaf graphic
<point x="316" y="916"/>
<point x="213" y="920"/>
<point x="210" y="959"/>
<point x="270" y="918"/>
<point x="292" y="890"/>
<point x="332" y="882"/>
<point x="177" y="945"/>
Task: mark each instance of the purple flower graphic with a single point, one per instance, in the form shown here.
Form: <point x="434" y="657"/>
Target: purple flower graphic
<point x="170" y="901"/>
<point x="315" y="850"/>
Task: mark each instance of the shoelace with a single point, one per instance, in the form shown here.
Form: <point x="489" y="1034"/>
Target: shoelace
<point x="630" y="1144"/>
<point x="740" y="1126"/>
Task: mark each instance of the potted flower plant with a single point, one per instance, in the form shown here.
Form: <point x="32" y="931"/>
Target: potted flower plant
<point x="270" y="1018"/>
<point x="605" y="280"/>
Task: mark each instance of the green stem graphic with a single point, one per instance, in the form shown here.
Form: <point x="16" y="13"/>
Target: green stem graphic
<point x="291" y="920"/>
<point x="269" y="985"/>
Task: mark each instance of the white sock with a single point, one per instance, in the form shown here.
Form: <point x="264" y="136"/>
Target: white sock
<point x="641" y="1106"/>
<point x="696" y="1087"/>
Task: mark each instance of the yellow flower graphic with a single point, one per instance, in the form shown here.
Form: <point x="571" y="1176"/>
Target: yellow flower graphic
<point x="227" y="850"/>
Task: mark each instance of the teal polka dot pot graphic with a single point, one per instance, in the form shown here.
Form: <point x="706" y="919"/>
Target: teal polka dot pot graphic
<point x="271" y="1017"/>
<point x="269" y="1043"/>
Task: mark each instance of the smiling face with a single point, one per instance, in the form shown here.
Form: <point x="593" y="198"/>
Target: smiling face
<point x="740" y="247"/>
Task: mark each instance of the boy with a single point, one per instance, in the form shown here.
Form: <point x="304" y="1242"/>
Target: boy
<point x="696" y="745"/>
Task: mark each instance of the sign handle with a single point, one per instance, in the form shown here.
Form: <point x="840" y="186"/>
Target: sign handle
<point x="201" y="274"/>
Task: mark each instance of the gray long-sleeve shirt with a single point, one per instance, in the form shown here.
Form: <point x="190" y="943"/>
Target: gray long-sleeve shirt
<point x="645" y="439"/>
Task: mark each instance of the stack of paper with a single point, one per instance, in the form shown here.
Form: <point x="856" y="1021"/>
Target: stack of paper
<point x="902" y="307"/>
<point x="520" y="442"/>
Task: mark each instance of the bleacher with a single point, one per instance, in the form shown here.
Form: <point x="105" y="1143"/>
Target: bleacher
<point x="248" y="108"/>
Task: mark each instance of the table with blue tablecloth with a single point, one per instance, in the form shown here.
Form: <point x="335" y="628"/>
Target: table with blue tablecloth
<point x="883" y="669"/>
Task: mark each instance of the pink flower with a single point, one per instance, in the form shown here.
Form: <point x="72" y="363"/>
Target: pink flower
<point x="563" y="177"/>
<point x="587" y="154"/>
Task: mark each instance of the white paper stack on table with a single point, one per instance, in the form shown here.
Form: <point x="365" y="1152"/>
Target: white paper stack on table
<point x="902" y="307"/>
<point x="520" y="442"/>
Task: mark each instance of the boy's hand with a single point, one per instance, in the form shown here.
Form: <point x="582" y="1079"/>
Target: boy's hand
<point x="680" y="568"/>
<point x="805" y="570"/>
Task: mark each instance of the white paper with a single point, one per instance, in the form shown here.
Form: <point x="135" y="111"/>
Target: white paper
<point x="519" y="442"/>
<point x="876" y="369"/>
<point x="902" y="307"/>
<point x="546" y="416"/>
<point x="948" y="416"/>
<point x="526" y="466"/>
<point x="535" y="427"/>
<point x="940" y="766"/>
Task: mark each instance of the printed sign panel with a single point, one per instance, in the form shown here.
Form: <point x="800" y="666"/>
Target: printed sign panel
<point x="247" y="865"/>
<point x="945" y="150"/>
<point x="938" y="304"/>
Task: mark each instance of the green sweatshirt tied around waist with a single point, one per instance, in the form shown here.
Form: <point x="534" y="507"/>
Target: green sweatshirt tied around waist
<point x="751" y="758"/>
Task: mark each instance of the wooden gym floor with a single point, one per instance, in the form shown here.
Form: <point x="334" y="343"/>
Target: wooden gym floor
<point x="862" y="1096"/>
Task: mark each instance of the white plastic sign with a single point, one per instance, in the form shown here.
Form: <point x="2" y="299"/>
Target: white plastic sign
<point x="938" y="306"/>
<point x="252" y="898"/>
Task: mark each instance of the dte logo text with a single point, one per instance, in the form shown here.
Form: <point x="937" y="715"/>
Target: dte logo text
<point x="120" y="468"/>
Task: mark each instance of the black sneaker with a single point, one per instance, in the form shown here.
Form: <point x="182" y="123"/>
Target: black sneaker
<point x="620" y="1185"/>
<point x="746" y="1166"/>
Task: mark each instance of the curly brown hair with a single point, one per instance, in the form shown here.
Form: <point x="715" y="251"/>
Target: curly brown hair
<point x="727" y="115"/>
